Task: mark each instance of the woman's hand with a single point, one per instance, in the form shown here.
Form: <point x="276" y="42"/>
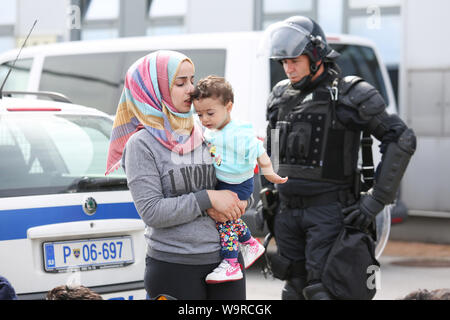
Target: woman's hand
<point x="243" y="205"/>
<point x="217" y="216"/>
<point x="221" y="217"/>
<point x="226" y="203"/>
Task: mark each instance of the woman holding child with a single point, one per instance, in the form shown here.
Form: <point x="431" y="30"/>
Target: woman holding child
<point x="172" y="179"/>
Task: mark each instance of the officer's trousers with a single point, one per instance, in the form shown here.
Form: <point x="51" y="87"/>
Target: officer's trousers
<point x="305" y="236"/>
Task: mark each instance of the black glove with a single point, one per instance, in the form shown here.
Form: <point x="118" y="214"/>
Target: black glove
<point x="363" y="212"/>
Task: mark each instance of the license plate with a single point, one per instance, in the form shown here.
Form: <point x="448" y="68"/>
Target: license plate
<point x="88" y="254"/>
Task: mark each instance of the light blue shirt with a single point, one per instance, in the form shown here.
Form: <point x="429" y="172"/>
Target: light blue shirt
<point x="235" y="149"/>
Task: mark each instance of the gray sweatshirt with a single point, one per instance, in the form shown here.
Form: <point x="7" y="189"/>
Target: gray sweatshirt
<point x="169" y="192"/>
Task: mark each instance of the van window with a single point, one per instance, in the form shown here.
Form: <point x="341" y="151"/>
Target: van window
<point x="96" y="80"/>
<point x="46" y="153"/>
<point x="354" y="60"/>
<point x="20" y="74"/>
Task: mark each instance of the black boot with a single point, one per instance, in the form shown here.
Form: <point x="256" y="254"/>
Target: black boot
<point x="317" y="291"/>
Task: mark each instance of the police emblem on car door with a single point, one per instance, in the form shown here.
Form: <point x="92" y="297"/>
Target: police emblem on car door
<point x="89" y="206"/>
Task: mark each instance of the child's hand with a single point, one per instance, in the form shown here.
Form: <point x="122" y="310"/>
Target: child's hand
<point x="274" y="178"/>
<point x="267" y="169"/>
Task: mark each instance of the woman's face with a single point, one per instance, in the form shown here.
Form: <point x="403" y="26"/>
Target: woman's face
<point x="182" y="87"/>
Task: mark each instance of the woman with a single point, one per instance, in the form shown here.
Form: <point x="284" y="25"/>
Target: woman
<point x="171" y="178"/>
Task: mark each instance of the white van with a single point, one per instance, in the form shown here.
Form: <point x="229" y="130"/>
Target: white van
<point x="61" y="220"/>
<point x="91" y="73"/>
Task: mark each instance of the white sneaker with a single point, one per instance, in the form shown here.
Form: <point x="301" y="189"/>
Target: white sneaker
<point x="225" y="272"/>
<point x="251" y="253"/>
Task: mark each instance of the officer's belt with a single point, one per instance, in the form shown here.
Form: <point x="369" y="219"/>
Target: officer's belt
<point x="299" y="202"/>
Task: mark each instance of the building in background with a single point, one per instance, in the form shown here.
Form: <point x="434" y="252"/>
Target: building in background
<point x="379" y="20"/>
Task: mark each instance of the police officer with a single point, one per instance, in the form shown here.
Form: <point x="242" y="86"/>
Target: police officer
<point x="317" y="118"/>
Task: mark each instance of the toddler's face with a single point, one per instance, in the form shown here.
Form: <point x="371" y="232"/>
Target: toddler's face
<point x="212" y="113"/>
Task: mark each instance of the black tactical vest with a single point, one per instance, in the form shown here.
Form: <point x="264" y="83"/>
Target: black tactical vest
<point x="311" y="145"/>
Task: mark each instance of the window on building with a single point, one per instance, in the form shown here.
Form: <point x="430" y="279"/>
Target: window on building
<point x="101" y="20"/>
<point x="277" y="6"/>
<point x="164" y="8"/>
<point x="386" y="33"/>
<point x="378" y="20"/>
<point x="96" y="34"/>
<point x="103" y="9"/>
<point x="277" y="10"/>
<point x="167" y="17"/>
<point x="7" y="22"/>
<point x="364" y="4"/>
<point x="330" y="15"/>
<point x="8" y="12"/>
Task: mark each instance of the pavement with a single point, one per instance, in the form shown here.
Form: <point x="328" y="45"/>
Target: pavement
<point x="410" y="266"/>
<point x="405" y="267"/>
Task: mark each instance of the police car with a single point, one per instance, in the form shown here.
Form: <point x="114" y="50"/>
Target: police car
<point x="61" y="220"/>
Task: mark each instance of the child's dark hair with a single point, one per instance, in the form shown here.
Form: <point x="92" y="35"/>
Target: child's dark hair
<point x="438" y="294"/>
<point x="65" y="292"/>
<point x="213" y="87"/>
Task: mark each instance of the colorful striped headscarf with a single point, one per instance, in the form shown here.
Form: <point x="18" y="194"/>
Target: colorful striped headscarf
<point x="146" y="103"/>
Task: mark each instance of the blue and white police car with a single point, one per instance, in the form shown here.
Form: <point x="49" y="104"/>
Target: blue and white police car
<point x="61" y="220"/>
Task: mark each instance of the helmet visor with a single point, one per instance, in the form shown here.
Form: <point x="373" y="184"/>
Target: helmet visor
<point x="284" y="41"/>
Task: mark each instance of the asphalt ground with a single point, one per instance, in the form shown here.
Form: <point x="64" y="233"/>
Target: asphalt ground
<point x="405" y="267"/>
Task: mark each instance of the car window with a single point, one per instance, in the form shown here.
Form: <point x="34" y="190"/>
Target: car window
<point x="20" y="74"/>
<point x="45" y="153"/>
<point x="354" y="60"/>
<point x="96" y="80"/>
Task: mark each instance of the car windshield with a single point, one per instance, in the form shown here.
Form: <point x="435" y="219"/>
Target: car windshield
<point x="42" y="153"/>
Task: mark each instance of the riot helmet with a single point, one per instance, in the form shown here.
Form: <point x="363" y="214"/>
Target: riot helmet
<point x="296" y="36"/>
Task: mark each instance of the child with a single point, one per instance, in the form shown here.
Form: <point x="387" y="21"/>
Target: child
<point x="235" y="149"/>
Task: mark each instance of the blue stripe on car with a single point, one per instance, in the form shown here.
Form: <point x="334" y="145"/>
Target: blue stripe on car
<point x="15" y="223"/>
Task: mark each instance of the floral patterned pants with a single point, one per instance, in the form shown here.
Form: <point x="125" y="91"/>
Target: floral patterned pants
<point x="231" y="233"/>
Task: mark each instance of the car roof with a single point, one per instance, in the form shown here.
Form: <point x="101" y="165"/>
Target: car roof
<point x="174" y="42"/>
<point x="9" y="105"/>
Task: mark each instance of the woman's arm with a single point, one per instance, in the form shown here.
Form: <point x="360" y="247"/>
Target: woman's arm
<point x="146" y="189"/>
